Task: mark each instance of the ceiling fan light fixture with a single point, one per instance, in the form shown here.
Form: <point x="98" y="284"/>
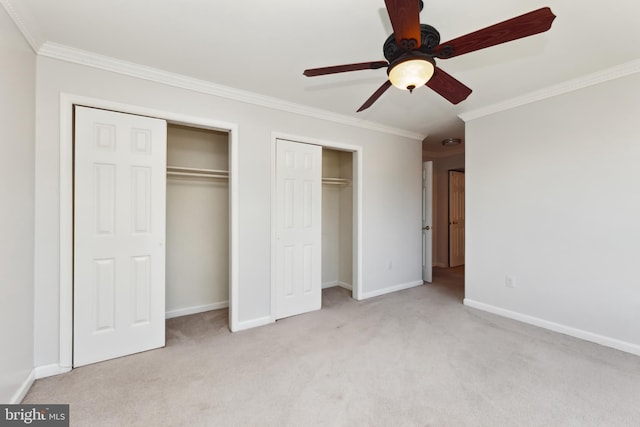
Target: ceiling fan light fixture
<point x="411" y="72"/>
<point x="451" y="141"/>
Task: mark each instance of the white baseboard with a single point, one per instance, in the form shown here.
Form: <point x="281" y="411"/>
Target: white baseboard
<point x="195" y="310"/>
<point x="390" y="289"/>
<point x="345" y="285"/>
<point x="337" y="283"/>
<point x="248" y="324"/>
<point x="24" y="388"/>
<point x="330" y="284"/>
<point x="50" y="370"/>
<point x="557" y="327"/>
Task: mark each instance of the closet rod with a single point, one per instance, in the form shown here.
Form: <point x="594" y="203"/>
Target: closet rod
<point x="198" y="174"/>
<point x="196" y="170"/>
<point x="336" y="181"/>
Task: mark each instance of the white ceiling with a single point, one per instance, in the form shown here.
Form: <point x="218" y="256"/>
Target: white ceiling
<point x="263" y="47"/>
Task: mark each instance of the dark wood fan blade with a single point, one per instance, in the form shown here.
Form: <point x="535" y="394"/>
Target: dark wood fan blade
<point x="344" y="68"/>
<point x="405" y="20"/>
<point x="448" y="87"/>
<point x="377" y="94"/>
<point x="521" y="26"/>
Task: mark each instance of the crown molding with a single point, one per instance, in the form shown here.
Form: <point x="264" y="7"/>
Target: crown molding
<point x="24" y="22"/>
<point x="606" y="75"/>
<point x="106" y="63"/>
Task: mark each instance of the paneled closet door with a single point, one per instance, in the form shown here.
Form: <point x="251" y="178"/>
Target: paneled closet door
<point x="299" y="220"/>
<point x="119" y="235"/>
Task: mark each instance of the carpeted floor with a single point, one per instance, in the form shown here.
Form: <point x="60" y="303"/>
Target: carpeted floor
<point x="412" y="358"/>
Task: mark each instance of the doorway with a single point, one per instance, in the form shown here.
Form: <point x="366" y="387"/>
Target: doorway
<point x="67" y="103"/>
<point x="197" y="249"/>
<point x="348" y="161"/>
<point x="337" y="219"/>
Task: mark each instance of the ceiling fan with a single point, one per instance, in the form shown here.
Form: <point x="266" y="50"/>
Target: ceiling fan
<point x="412" y="49"/>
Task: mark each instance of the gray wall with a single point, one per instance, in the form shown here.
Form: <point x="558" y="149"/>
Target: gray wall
<point x="553" y="200"/>
<point x="17" y="116"/>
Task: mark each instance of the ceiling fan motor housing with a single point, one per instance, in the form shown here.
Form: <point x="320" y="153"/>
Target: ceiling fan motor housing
<point x="430" y="38"/>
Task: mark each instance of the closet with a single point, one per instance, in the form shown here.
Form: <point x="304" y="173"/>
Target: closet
<point x="197" y="222"/>
<point x="337" y="218"/>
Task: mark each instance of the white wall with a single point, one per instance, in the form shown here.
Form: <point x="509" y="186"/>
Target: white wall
<point x="197" y="261"/>
<point x="553" y="199"/>
<point x="391" y="195"/>
<point x="17" y="124"/>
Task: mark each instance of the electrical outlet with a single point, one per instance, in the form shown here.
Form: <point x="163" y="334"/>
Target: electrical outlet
<point x="509" y="281"/>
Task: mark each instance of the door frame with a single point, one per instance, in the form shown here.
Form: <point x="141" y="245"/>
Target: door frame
<point x="356" y="184"/>
<point x="67" y="102"/>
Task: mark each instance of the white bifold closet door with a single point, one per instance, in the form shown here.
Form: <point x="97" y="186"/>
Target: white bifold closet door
<point x="299" y="220"/>
<point x="119" y="235"/>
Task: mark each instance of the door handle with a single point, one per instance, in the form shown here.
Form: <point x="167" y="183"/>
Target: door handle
<point x="426" y="228"/>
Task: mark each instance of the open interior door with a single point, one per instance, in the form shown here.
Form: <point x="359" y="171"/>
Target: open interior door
<point x="456" y="218"/>
<point x="427" y="221"/>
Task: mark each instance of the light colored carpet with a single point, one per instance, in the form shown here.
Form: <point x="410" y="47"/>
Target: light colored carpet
<point x="413" y="358"/>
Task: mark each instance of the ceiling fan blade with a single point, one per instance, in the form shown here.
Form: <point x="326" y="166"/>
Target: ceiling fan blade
<point x="405" y="20"/>
<point x="448" y="87"/>
<point x="312" y="72"/>
<point x="521" y="26"/>
<point x="377" y="94"/>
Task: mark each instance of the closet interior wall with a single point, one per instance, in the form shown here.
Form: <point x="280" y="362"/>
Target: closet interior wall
<point x="337" y="218"/>
<point x="197" y="247"/>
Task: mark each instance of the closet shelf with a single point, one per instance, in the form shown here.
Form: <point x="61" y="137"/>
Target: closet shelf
<point x="197" y="172"/>
<point x="336" y="181"/>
